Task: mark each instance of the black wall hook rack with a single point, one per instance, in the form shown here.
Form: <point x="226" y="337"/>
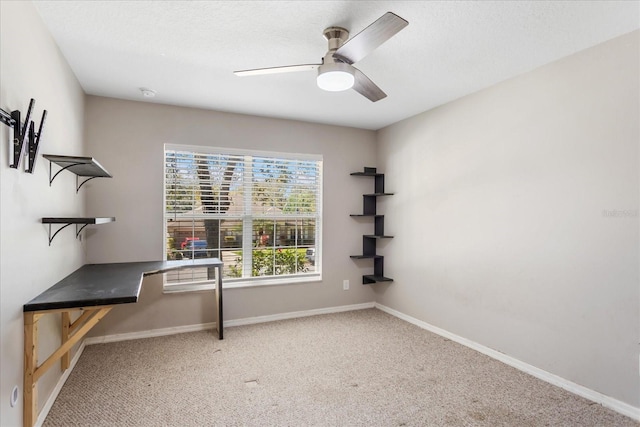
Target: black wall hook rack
<point x="34" y="142"/>
<point x="6" y="118"/>
<point x="21" y="132"/>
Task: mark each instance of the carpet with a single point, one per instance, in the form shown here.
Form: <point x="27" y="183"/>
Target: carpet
<point x="358" y="368"/>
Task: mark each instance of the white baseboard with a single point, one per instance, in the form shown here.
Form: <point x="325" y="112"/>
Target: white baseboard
<point x="611" y="403"/>
<point x="296" y="314"/>
<point x="229" y="323"/>
<point x="150" y="333"/>
<point x="56" y="390"/>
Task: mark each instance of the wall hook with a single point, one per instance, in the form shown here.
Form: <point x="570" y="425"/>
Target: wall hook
<point x="21" y="132"/>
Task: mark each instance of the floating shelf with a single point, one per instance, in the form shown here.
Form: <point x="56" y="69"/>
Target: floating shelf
<point x="369" y="240"/>
<point x="368" y="279"/>
<point x="80" y="166"/>
<point x="83" y="222"/>
<point x="367" y="172"/>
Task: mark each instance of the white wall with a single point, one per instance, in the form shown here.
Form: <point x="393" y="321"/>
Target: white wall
<point x="32" y="67"/>
<point x="498" y="217"/>
<point x="127" y="139"/>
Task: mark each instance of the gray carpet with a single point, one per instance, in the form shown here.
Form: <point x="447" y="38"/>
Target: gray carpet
<point x="360" y="368"/>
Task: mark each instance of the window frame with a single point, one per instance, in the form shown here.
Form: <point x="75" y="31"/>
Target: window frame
<point x="248" y="218"/>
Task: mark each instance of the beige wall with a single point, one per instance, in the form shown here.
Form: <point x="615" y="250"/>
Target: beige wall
<point x="127" y="138"/>
<point x="499" y="224"/>
<point x="498" y="212"/>
<point x="32" y="67"/>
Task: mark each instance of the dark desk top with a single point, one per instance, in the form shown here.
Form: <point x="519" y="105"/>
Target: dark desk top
<point x="106" y="284"/>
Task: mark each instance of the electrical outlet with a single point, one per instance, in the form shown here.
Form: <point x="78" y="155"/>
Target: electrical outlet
<point x="345" y="285"/>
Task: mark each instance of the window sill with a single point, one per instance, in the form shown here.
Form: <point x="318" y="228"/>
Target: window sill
<point x="235" y="284"/>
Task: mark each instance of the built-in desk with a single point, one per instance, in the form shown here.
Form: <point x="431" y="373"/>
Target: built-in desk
<point x="93" y="290"/>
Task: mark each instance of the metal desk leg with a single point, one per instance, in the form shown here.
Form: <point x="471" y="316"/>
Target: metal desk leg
<point x="219" y="320"/>
<point x="216" y="273"/>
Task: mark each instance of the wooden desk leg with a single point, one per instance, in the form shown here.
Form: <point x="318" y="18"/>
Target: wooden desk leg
<point x="66" y="323"/>
<point x="33" y="372"/>
<point x="30" y="392"/>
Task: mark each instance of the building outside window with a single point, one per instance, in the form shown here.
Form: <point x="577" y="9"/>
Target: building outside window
<point x="259" y="212"/>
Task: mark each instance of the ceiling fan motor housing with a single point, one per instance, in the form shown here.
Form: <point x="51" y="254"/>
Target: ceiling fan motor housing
<point x="335" y="76"/>
<point x="336" y="36"/>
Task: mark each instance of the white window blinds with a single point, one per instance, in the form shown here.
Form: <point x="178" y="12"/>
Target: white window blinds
<point x="258" y="212"/>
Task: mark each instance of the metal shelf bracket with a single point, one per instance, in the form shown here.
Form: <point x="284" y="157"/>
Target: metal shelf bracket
<point x="83" y="182"/>
<point x="78" y="231"/>
<point x="51" y="178"/>
<point x="57" y="231"/>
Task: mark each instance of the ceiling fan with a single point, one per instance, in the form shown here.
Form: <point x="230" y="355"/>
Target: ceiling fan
<point x="336" y="72"/>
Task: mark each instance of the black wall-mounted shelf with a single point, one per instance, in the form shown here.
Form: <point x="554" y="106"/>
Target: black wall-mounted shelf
<point x="82" y="222"/>
<point x="369" y="240"/>
<point x="80" y="166"/>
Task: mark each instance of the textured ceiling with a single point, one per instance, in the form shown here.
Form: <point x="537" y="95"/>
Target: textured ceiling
<point x="187" y="50"/>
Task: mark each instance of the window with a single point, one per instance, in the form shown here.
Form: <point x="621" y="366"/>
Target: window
<point x="260" y="213"/>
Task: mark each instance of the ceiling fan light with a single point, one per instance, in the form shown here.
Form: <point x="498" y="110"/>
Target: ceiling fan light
<point x="335" y="77"/>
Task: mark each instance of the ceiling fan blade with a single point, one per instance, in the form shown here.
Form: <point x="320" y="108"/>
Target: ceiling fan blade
<point x="363" y="43"/>
<point x="365" y="87"/>
<point x="277" y="70"/>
